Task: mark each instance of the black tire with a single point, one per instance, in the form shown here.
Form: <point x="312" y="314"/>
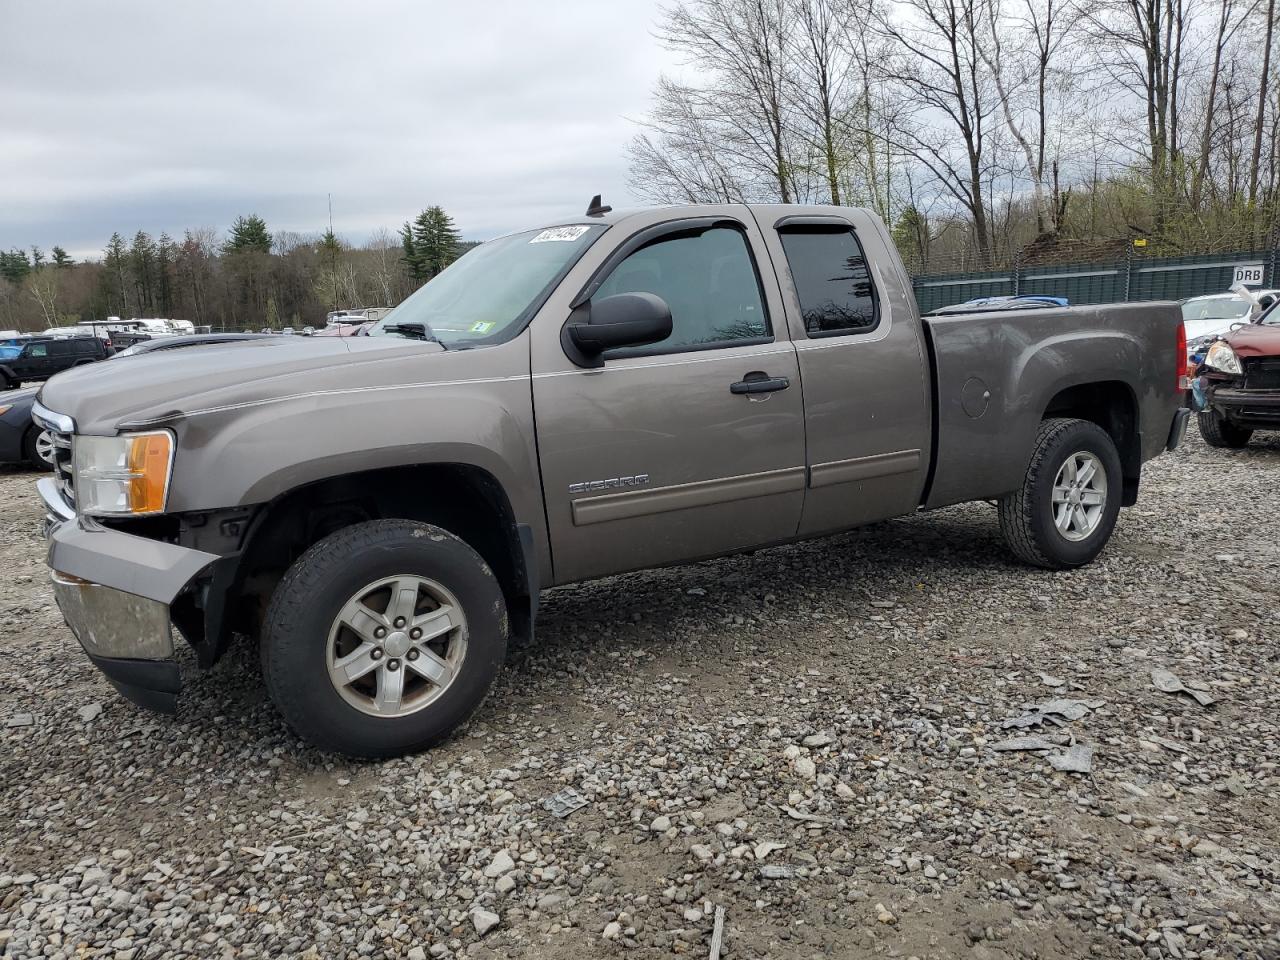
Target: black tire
<point x="1218" y="431"/>
<point x="1027" y="514"/>
<point x="295" y="635"/>
<point x="31" y="454"/>
<point x="8" y="383"/>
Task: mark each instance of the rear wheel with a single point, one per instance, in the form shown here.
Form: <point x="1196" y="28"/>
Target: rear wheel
<point x="1218" y="431"/>
<point x="1067" y="507"/>
<point x="384" y="638"/>
<point x="37" y="448"/>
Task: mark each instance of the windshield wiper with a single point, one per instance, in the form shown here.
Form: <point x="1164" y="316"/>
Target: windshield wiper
<point x="415" y="331"/>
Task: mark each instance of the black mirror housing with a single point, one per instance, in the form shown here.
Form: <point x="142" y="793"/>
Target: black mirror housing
<point x="623" y="320"/>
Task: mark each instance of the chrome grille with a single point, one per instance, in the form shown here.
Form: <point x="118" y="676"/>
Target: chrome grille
<point x="63" y="468"/>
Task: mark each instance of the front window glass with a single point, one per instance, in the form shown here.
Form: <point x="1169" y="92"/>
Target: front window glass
<point x="485" y="296"/>
<point x="1216" y="308"/>
<point x="37" y="350"/>
<point x="708" y="280"/>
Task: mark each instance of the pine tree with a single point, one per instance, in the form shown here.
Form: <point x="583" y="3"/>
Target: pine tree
<point x="116" y="258"/>
<point x="61" y="258"/>
<point x="411" y="259"/>
<point x="14" y="265"/>
<point x="430" y="243"/>
<point x="37" y="258"/>
<point x="142" y="262"/>
<point x="248" y="233"/>
<point x="166" y="257"/>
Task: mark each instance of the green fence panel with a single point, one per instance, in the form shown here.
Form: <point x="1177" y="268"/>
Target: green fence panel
<point x="1140" y="278"/>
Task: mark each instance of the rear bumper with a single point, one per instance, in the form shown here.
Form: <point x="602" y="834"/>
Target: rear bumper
<point x="114" y="591"/>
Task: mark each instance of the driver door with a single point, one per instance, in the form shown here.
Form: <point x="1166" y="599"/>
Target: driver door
<point x="656" y="457"/>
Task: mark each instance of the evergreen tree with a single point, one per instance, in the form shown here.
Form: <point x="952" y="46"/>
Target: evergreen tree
<point x="61" y="258"/>
<point x="37" y="257"/>
<point x="430" y="243"/>
<point x="248" y="233"/>
<point x="116" y="259"/>
<point x="166" y="258"/>
<point x="14" y="265"/>
<point x="411" y="259"/>
<point x="142" y="262"/>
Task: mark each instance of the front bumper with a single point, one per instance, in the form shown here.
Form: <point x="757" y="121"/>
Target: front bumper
<point x="114" y="590"/>
<point x="1252" y="408"/>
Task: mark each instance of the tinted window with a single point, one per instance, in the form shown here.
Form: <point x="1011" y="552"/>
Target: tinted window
<point x="85" y="346"/>
<point x="832" y="281"/>
<point x="708" y="280"/>
<point x="61" y="348"/>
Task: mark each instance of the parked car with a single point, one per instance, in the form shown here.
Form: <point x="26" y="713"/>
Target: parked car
<point x="345" y="330"/>
<point x="41" y="359"/>
<point x="21" y="440"/>
<point x="984" y="304"/>
<point x="600" y="395"/>
<point x="1240" y="383"/>
<point x="1211" y="316"/>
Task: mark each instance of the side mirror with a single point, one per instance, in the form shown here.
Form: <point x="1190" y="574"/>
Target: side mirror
<point x="623" y="320"/>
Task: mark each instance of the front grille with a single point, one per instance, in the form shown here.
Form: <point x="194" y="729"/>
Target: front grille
<point x="1262" y="374"/>
<point x="63" y="469"/>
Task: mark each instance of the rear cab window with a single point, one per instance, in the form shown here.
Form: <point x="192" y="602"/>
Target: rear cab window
<point x="832" y="280"/>
<point x="708" y="279"/>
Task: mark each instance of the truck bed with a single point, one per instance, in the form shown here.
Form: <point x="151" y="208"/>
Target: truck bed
<point x="998" y="374"/>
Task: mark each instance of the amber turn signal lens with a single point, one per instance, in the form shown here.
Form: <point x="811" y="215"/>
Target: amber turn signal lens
<point x="149" y="466"/>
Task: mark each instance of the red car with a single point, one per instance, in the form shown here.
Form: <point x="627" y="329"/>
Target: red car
<point x="1240" y="383"/>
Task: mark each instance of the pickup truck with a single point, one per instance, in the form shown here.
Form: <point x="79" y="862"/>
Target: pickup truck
<point x="608" y="393"/>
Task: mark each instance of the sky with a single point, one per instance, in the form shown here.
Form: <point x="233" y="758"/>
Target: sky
<point x="161" y="116"/>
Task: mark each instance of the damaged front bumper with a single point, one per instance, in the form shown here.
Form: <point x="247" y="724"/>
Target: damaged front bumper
<point x="114" y="590"/>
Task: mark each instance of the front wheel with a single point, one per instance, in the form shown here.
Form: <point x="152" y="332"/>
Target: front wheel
<point x="37" y="448"/>
<point x="383" y="638"/>
<point x="1218" y="431"/>
<point x="1066" y="509"/>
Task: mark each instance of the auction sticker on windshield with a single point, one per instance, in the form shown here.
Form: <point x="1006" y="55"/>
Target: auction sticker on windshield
<point x="560" y="233"/>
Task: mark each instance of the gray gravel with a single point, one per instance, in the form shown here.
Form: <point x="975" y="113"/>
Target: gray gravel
<point x="802" y="735"/>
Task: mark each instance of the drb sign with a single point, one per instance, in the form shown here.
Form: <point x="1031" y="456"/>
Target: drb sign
<point x="1250" y="274"/>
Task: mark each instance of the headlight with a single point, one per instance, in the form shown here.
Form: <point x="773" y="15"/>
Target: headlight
<point x="123" y="476"/>
<point x="1222" y="358"/>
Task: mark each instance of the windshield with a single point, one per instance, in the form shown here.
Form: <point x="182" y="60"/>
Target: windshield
<point x="1216" y="308"/>
<point x="486" y="295"/>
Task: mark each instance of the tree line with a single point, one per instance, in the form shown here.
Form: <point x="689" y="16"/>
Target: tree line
<point x="982" y="131"/>
<point x="249" y="278"/>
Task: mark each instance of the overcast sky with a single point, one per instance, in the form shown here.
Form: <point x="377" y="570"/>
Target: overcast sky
<point x="167" y="115"/>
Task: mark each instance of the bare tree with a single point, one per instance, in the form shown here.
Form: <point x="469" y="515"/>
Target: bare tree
<point x="940" y="67"/>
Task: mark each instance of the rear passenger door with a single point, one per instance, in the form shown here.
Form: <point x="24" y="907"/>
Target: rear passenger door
<point x="863" y="366"/>
<point x="664" y="453"/>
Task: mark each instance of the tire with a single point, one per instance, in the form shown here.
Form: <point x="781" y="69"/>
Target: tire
<point x="34" y="444"/>
<point x="1218" y="431"/>
<point x="303" y="641"/>
<point x="1028" y="516"/>
<point x="8" y="383"/>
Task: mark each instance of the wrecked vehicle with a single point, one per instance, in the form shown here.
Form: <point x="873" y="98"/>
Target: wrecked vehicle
<point x="1238" y="389"/>
<point x="612" y="392"/>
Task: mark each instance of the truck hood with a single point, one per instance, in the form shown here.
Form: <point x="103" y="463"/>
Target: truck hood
<point x="1256" y="340"/>
<point x="165" y="383"/>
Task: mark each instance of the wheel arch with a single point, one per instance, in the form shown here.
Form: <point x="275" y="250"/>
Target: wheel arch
<point x="1113" y="406"/>
<point x="465" y="499"/>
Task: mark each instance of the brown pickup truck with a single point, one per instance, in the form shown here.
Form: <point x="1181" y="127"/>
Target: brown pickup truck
<point x="610" y="392"/>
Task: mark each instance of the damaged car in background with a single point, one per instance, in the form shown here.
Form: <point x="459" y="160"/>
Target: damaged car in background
<point x="1237" y="390"/>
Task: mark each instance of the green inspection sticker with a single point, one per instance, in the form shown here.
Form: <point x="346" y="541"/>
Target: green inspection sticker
<point x="482" y="326"/>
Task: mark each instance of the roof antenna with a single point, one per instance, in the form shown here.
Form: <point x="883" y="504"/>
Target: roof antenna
<point x="597" y="209"/>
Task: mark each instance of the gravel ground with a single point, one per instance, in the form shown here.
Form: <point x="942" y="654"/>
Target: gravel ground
<point x="802" y="736"/>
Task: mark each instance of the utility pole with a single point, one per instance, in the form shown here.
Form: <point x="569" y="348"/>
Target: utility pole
<point x="333" y="255"/>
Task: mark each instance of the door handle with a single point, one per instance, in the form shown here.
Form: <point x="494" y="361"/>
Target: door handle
<point x="757" y="381"/>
